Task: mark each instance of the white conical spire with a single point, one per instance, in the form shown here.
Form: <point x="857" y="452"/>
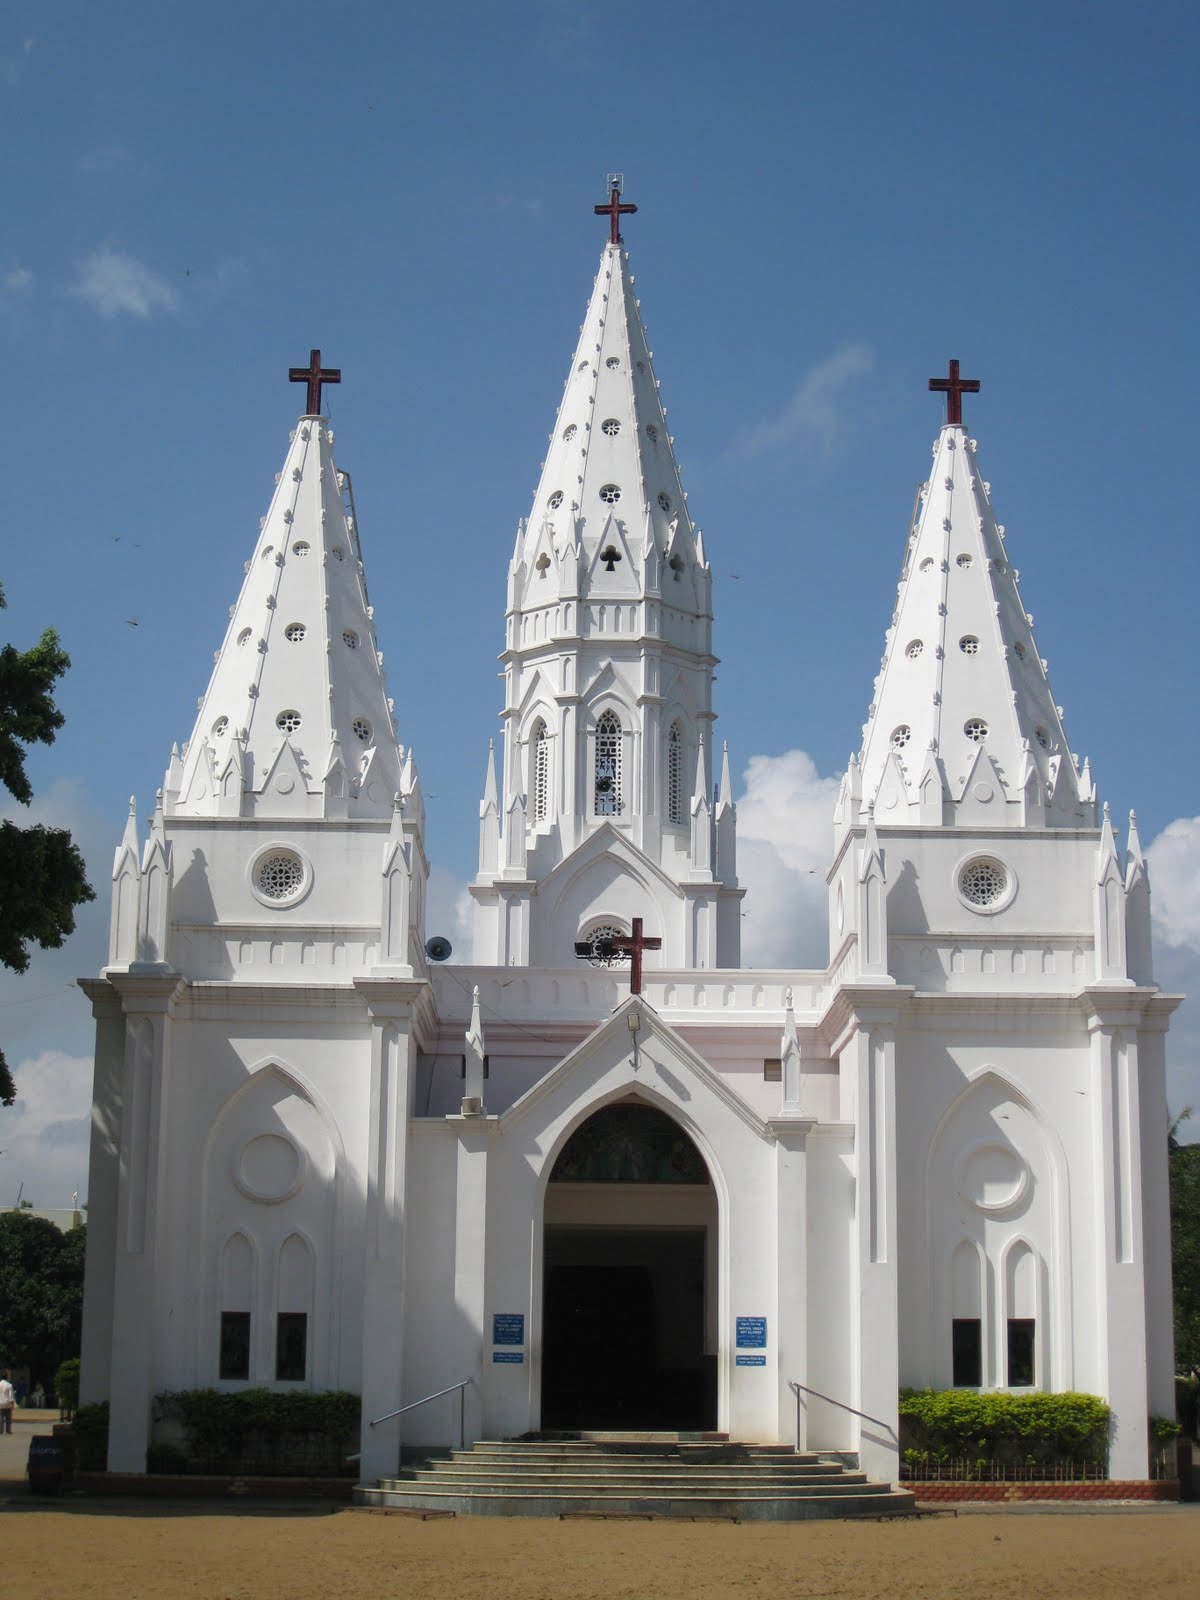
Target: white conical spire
<point x="298" y="682"/>
<point x="961" y="677"/>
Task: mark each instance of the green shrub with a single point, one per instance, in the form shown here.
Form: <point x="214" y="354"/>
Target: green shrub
<point x="91" y="1437"/>
<point x="66" y="1384"/>
<point x="259" y="1430"/>
<point x="988" y="1430"/>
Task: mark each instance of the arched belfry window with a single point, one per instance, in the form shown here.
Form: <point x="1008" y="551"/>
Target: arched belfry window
<point x="675" y="773"/>
<point x="541" y="772"/>
<point x="607" y="782"/>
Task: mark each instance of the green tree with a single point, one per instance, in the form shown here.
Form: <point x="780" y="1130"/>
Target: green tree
<point x="1184" y="1162"/>
<point x="42" y="876"/>
<point x="41" y="1293"/>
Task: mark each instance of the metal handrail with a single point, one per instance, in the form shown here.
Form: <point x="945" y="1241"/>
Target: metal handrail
<point x="829" y="1400"/>
<point x="425" y="1399"/>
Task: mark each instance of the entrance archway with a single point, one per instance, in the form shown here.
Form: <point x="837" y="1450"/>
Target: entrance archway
<point x="629" y="1319"/>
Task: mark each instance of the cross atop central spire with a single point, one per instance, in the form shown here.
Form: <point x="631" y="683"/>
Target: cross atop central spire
<point x="613" y="208"/>
<point x="954" y="387"/>
<point x="315" y="376"/>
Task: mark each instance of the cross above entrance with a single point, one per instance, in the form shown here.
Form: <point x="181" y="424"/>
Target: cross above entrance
<point x="315" y="375"/>
<point x="613" y="207"/>
<point x="954" y="387"/>
<point x="619" y="944"/>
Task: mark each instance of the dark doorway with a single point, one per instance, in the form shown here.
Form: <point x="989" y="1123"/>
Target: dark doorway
<point x="623" y="1330"/>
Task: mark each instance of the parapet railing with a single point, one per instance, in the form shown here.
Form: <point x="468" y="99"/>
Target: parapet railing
<point x="799" y="1389"/>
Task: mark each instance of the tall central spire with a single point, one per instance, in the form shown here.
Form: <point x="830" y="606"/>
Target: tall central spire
<point x="608" y="662"/>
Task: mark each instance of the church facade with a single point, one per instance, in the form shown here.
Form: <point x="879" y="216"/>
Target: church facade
<point x="554" y="1191"/>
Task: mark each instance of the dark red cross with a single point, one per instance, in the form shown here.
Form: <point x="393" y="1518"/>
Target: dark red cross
<point x="614" y="209"/>
<point x="314" y="374"/>
<point x="633" y="947"/>
<point x="954" y="387"/>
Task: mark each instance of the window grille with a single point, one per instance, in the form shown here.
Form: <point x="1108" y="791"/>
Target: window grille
<point x="541" y="773"/>
<point x="675" y="774"/>
<point x="607" y="785"/>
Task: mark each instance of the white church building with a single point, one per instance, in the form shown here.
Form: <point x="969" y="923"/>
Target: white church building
<point x="746" y="1200"/>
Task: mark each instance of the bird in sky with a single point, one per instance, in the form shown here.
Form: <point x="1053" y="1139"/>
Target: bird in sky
<point x="131" y="622"/>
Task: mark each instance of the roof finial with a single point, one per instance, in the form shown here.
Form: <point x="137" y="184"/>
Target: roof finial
<point x="613" y="208"/>
<point x="954" y="388"/>
<point x="314" y="374"/>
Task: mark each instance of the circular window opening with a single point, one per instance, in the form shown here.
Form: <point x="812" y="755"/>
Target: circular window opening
<point x="555" y="500"/>
<point x="362" y="729"/>
<point x="350" y="639"/>
<point x="569" y="433"/>
<point x="279" y="876"/>
<point x="582" y="367"/>
<point x="652" y="433"/>
<point x="901" y="736"/>
<point x="976" y="730"/>
<point x="927" y="564"/>
<point x="1042" y="737"/>
<point x="338" y="553"/>
<point x="219" y="726"/>
<point x="969" y="644"/>
<point x="244" y="636"/>
<point x="301" y="547"/>
<point x="269" y="551"/>
<point x="294" y="632"/>
<point x="963" y="561"/>
<point x="664" y="501"/>
<point x="610" y="494"/>
<point x="613" y="363"/>
<point x="600" y="942"/>
<point x="641" y="366"/>
<point x="913" y="649"/>
<point x="288" y="721"/>
<point x="611" y="427"/>
<point x="1019" y="650"/>
<point x="983" y="882"/>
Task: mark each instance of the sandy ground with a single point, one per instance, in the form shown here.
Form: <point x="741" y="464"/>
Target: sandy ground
<point x="147" y="1553"/>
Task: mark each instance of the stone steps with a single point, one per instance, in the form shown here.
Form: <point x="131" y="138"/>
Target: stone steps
<point x="636" y="1475"/>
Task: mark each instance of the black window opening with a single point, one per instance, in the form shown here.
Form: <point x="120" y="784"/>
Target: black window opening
<point x="235" y="1345"/>
<point x="1020" y="1352"/>
<point x="291" y="1346"/>
<point x="968" y="1353"/>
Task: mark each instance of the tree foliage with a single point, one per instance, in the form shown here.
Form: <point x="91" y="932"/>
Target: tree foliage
<point x="42" y="877"/>
<point x="1184" y="1162"/>
<point x="41" y="1293"/>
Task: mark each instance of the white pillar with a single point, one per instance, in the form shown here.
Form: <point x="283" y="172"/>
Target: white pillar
<point x="791" y="1273"/>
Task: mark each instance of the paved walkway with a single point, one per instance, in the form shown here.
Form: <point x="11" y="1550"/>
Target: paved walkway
<point x="14" y="1447"/>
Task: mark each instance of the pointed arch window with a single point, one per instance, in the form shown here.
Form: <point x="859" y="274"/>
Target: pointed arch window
<point x="541" y="772"/>
<point x="675" y="773"/>
<point x="607" y="781"/>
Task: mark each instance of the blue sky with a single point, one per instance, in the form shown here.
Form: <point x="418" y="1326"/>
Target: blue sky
<point x="832" y="201"/>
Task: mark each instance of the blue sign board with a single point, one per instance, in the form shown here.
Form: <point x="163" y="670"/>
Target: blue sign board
<point x="751" y="1361"/>
<point x="508" y="1327"/>
<point x="752" y="1333"/>
<point x="508" y="1358"/>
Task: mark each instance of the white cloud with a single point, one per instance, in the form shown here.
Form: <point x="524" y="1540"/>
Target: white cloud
<point x="17" y="281"/>
<point x="44" y="1137"/>
<point x="813" y="418"/>
<point x="449" y="911"/>
<point x="1174" y="861"/>
<point x="785" y="843"/>
<point x="12" y="68"/>
<point x="112" y="283"/>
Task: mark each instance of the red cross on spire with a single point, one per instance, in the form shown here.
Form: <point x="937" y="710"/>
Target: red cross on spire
<point x="954" y="387"/>
<point x="315" y="375"/>
<point x="613" y="208"/>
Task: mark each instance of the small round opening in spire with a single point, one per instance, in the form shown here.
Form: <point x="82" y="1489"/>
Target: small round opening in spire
<point x="927" y="564"/>
<point x="555" y="500"/>
<point x="301" y="547"/>
<point x="350" y="639"/>
<point x="983" y="883"/>
<point x="611" y="427"/>
<point x="279" y="876"/>
<point x="976" y="729"/>
<point x="244" y="636"/>
<point x="613" y="363"/>
<point x="1042" y="737"/>
<point x="219" y="727"/>
<point x="610" y="494"/>
<point x="664" y="501"/>
<point x="362" y="729"/>
<point x="901" y="736"/>
<point x="268" y="552"/>
<point x="338" y="553"/>
<point x="963" y="561"/>
<point x="294" y="632"/>
<point x="582" y="367"/>
<point x="1019" y="650"/>
<point x="288" y="721"/>
<point x="569" y="432"/>
<point x="652" y="433"/>
<point x="969" y="644"/>
<point x="913" y="649"/>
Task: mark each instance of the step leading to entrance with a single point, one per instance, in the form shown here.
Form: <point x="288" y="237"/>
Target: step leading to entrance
<point x="638" y="1475"/>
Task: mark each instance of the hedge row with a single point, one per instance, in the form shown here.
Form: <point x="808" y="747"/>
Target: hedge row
<point x="258" y="1430"/>
<point x="949" y="1424"/>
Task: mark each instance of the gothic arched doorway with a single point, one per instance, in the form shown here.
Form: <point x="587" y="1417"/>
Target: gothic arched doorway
<point x="629" y="1324"/>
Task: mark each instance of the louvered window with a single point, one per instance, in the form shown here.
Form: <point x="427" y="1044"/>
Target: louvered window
<point x="541" y="773"/>
<point x="675" y="774"/>
<point x="607" y="784"/>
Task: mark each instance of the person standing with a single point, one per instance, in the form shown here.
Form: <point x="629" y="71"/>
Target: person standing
<point x="7" y="1401"/>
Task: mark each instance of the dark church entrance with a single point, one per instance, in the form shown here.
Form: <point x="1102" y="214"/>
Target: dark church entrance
<point x="627" y="1290"/>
